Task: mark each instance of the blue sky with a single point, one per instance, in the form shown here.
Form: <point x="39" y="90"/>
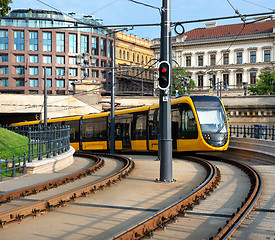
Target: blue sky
<point x="126" y="12"/>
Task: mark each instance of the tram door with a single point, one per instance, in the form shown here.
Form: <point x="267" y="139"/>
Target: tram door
<point x="123" y="130"/>
<point x="175" y="133"/>
<point x="175" y="124"/>
<point x="126" y="141"/>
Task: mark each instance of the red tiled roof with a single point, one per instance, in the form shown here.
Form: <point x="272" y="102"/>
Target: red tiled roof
<point x="230" y="30"/>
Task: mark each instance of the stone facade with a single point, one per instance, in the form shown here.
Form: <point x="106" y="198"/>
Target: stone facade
<point x="230" y="54"/>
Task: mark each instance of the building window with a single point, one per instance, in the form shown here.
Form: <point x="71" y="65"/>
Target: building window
<point x="239" y="78"/>
<point x="95" y="74"/>
<point x="73" y="72"/>
<point x="60" y="71"/>
<point x="267" y="55"/>
<point x="48" y="71"/>
<point x="103" y="47"/>
<point x="94" y="46"/>
<point x="33" y="70"/>
<point x="60" y="83"/>
<point x="20" y="58"/>
<point x="239" y="57"/>
<point x="4" y="58"/>
<point x="19" y="70"/>
<point x="110" y="47"/>
<point x="60" y="42"/>
<point x="137" y="57"/>
<point x="213" y="59"/>
<point x="225" y="59"/>
<point x="47" y="41"/>
<point x="225" y="79"/>
<point x="20" y="82"/>
<point x="33" y="82"/>
<point x="72" y="43"/>
<point x="188" y="61"/>
<point x="200" y="81"/>
<point x="49" y="83"/>
<point x="252" y="56"/>
<point x="19" y="40"/>
<point x="4" y="82"/>
<point x="72" y="60"/>
<point x="60" y="60"/>
<point x="84" y="44"/>
<point x="33" y="41"/>
<point x="33" y="59"/>
<point x="200" y="60"/>
<point x="133" y="57"/>
<point x="4" y="41"/>
<point x="47" y="59"/>
<point x="123" y="54"/>
<point x="4" y="70"/>
<point x="253" y="78"/>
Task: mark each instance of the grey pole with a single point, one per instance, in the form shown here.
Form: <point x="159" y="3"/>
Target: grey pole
<point x="112" y="130"/>
<point x="165" y="138"/>
<point x="45" y="97"/>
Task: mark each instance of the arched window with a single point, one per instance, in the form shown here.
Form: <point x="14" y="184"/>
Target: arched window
<point x="119" y="55"/>
<point x="133" y="57"/>
<point x="123" y="54"/>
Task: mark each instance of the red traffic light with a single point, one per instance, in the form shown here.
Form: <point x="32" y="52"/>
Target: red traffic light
<point x="164" y="75"/>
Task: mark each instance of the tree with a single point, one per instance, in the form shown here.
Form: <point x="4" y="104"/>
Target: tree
<point x="5" y="8"/>
<point x="265" y="84"/>
<point x="178" y="75"/>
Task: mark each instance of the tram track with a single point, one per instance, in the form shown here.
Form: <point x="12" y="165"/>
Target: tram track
<point x="48" y="203"/>
<point x="170" y="213"/>
<point x="163" y="216"/>
<point x="34" y="189"/>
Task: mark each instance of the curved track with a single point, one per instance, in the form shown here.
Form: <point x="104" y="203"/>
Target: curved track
<point x="34" y="207"/>
<point x="163" y="215"/>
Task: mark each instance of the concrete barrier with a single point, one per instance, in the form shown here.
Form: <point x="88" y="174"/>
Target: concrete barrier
<point x="53" y="164"/>
<point x="254" y="146"/>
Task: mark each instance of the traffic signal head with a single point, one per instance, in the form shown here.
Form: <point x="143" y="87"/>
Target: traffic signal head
<point x="164" y="75"/>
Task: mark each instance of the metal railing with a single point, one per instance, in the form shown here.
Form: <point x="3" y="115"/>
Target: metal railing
<point x="10" y="166"/>
<point x="42" y="142"/>
<point x="258" y="131"/>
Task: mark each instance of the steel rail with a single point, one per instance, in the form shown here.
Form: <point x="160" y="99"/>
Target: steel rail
<point x="159" y="219"/>
<point x="49" y="203"/>
<point x="252" y="197"/>
<point x="35" y="188"/>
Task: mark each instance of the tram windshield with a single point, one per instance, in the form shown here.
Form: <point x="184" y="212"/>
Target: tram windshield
<point x="211" y="114"/>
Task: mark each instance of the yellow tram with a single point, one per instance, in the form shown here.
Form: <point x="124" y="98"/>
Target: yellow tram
<point x="199" y="123"/>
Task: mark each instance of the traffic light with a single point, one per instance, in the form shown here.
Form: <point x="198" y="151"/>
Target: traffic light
<point x="164" y="75"/>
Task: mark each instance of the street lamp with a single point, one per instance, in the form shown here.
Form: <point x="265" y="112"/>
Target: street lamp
<point x="83" y="60"/>
<point x="185" y="82"/>
<point x="245" y="86"/>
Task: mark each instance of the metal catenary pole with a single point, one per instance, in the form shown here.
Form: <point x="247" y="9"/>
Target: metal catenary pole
<point x="112" y="134"/>
<point x="165" y="139"/>
<point x="45" y="97"/>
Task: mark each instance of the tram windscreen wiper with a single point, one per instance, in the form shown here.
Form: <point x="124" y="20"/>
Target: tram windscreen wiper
<point x="221" y="127"/>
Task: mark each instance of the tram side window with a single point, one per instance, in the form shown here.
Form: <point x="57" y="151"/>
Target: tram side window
<point x="123" y="127"/>
<point x="139" y="126"/>
<point x="74" y="130"/>
<point x="176" y="119"/>
<point x="188" y="123"/>
<point x="153" y="124"/>
<point x="94" y="129"/>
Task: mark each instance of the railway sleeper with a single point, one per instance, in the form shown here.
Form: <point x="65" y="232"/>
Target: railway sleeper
<point x="3" y="223"/>
<point x="20" y="216"/>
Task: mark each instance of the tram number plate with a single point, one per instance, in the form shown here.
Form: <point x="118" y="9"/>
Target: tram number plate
<point x="165" y="98"/>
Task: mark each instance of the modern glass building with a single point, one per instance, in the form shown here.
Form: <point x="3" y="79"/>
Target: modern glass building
<point x="32" y="40"/>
